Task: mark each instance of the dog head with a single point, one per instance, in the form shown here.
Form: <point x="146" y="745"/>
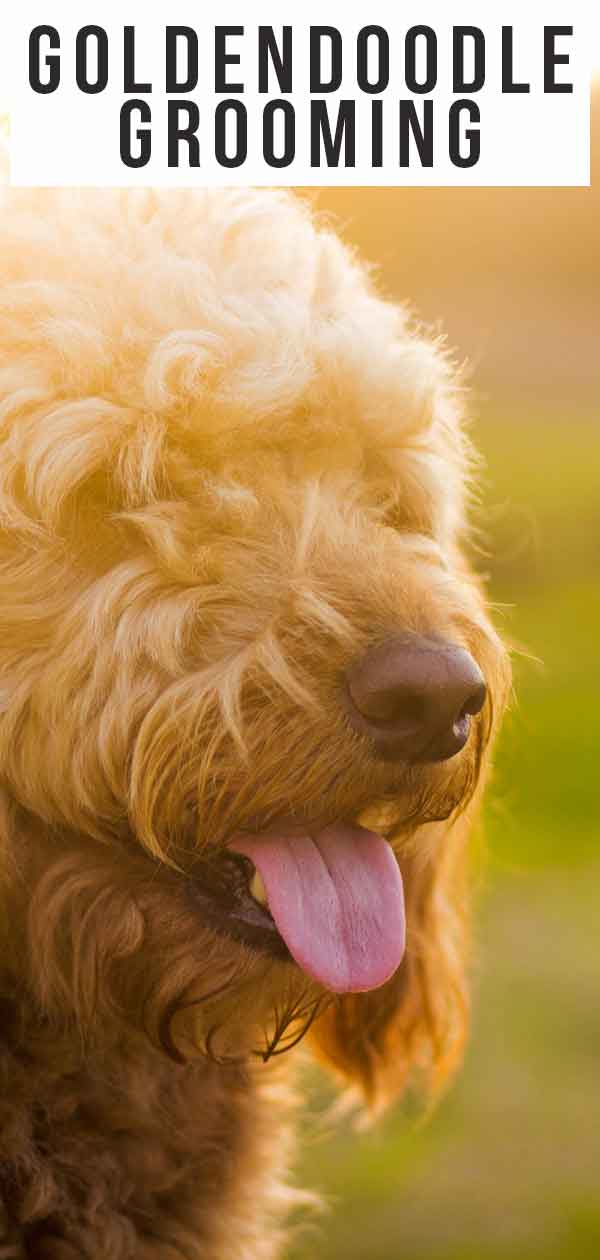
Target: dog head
<point x="247" y="674"/>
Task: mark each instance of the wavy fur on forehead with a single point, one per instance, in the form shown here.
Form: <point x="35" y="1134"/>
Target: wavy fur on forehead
<point x="227" y="467"/>
<point x="227" y="320"/>
<point x="169" y="365"/>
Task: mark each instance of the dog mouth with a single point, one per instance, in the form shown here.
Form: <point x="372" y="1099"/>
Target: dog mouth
<point x="331" y="899"/>
<point x="228" y="890"/>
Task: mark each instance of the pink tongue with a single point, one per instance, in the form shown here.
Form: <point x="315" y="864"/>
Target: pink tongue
<point x="337" y="900"/>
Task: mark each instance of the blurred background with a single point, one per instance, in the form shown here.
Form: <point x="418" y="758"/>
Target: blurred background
<point x="509" y="1163"/>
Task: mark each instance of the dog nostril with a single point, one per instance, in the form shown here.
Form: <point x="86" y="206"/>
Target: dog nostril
<point x="475" y="701"/>
<point x="415" y="697"/>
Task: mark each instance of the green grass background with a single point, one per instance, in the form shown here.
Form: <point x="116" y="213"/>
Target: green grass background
<point x="509" y="1164"/>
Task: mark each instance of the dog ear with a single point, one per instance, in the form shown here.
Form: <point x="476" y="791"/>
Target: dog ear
<point x="416" y="1023"/>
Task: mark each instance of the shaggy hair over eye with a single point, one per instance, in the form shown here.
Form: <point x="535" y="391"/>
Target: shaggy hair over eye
<point x="248" y="688"/>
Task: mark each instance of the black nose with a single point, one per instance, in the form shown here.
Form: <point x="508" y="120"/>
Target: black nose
<point x="415" y="698"/>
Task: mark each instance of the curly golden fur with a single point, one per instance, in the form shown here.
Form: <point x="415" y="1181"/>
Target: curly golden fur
<point x="227" y="467"/>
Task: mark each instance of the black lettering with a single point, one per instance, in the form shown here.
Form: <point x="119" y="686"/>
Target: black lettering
<point x="129" y="82"/>
<point x="383" y="59"/>
<point x="289" y="133"/>
<point x="241" y="133"/>
<point x="317" y="34"/>
<point x="472" y="134"/>
<point x="552" y="59"/>
<point x="143" y="134"/>
<point x="320" y="133"/>
<point x="81" y="58"/>
<point x="268" y="51"/>
<point x="410" y="59"/>
<point x="508" y="80"/>
<point x="51" y="61"/>
<point x="459" y="35"/>
<point x="410" y="127"/>
<point x="172" y="83"/>
<point x="223" y="59"/>
<point x="186" y="132"/>
<point x="376" y="133"/>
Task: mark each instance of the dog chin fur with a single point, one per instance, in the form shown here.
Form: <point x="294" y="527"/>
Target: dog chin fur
<point x="227" y="468"/>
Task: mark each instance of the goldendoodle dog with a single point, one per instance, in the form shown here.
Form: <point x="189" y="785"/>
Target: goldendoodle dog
<point x="248" y="689"/>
